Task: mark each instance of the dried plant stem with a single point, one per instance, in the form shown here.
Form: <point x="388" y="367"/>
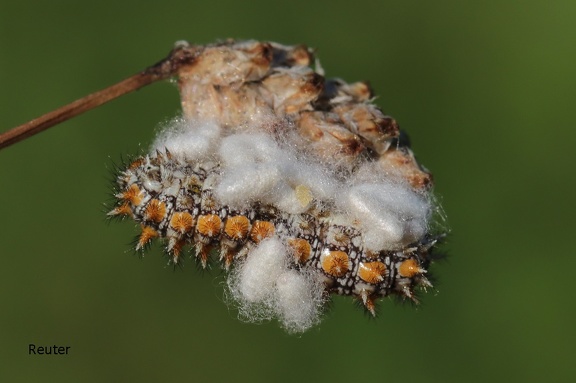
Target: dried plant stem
<point x="180" y="56"/>
<point x="75" y="108"/>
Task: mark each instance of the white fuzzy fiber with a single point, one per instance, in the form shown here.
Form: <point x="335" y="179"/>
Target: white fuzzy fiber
<point x="265" y="288"/>
<point x="263" y="266"/>
<point x="193" y="140"/>
<point x="257" y="169"/>
<point x="392" y="215"/>
<point x="299" y="300"/>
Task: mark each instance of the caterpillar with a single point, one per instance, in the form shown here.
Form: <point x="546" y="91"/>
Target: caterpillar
<point x="298" y="185"/>
<point x="174" y="200"/>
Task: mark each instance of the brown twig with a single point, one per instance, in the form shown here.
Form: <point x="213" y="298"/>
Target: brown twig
<point x="168" y="67"/>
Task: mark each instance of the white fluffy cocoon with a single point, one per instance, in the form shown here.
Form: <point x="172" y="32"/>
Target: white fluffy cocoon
<point x="256" y="168"/>
<point x="263" y="266"/>
<point x="265" y="288"/>
<point x="392" y="215"/>
<point x="299" y="299"/>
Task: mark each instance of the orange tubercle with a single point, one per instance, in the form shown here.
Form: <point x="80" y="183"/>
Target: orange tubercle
<point x="176" y="251"/>
<point x="136" y="163"/>
<point x="302" y="249"/>
<point x="147" y="235"/>
<point x="372" y="272"/>
<point x="261" y="230"/>
<point x="155" y="211"/>
<point x="182" y="222"/>
<point x="410" y="268"/>
<point x="209" y="225"/>
<point x="132" y="195"/>
<point x="123" y="209"/>
<point x="335" y="263"/>
<point x="237" y="227"/>
<point x="368" y="301"/>
<point x="202" y="253"/>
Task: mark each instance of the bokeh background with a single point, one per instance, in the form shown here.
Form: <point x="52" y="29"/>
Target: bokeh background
<point x="487" y="92"/>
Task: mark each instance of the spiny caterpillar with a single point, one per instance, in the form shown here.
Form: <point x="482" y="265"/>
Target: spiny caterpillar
<point x="298" y="184"/>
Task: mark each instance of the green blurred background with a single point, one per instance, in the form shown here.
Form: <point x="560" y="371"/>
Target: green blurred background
<point x="487" y="92"/>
